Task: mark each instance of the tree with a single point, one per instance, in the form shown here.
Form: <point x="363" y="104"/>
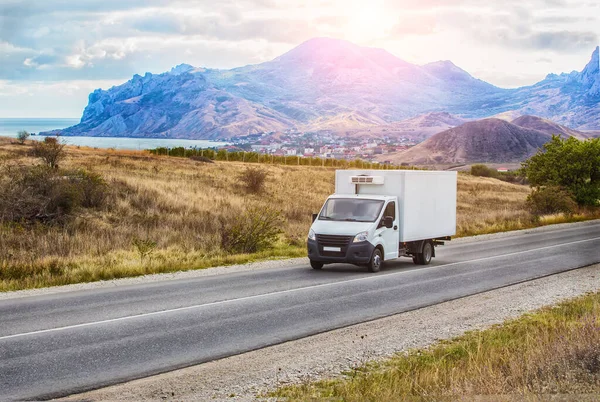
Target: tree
<point x="51" y="151"/>
<point x="22" y="136"/>
<point x="568" y="163"/>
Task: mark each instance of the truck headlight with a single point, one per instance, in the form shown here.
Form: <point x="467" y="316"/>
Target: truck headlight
<point x="312" y="235"/>
<point x="362" y="236"/>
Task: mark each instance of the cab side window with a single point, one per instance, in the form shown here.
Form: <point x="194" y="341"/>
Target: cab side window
<point x="390" y="210"/>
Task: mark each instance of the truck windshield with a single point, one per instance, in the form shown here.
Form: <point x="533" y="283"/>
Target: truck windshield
<point x="351" y="209"/>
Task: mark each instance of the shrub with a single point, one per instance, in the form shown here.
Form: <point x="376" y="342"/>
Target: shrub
<point x="51" y="151"/>
<point x="255" y="230"/>
<point x="22" y="136"/>
<point x="91" y="186"/>
<point x="144" y="247"/>
<point x="483" y="171"/>
<point x="550" y="200"/>
<point x="253" y="180"/>
<point x="43" y="194"/>
<point x="512" y="177"/>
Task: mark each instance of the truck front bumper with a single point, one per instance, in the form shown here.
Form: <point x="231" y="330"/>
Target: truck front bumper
<point x="353" y="253"/>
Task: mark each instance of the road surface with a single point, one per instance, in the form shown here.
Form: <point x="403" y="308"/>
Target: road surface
<point x="59" y="344"/>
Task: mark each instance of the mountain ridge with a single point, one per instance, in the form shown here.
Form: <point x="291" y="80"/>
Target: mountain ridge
<point x="323" y="79"/>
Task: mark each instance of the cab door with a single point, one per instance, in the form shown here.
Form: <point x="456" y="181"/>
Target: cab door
<point x="390" y="236"/>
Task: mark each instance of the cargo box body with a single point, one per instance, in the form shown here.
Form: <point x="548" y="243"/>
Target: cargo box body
<point x="426" y="199"/>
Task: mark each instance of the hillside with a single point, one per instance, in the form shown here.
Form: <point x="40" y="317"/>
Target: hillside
<point x="547" y="126"/>
<point x="486" y="140"/>
<point x="322" y="82"/>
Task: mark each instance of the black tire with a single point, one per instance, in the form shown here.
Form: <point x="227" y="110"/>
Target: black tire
<point x="376" y="261"/>
<point x="424" y="258"/>
<point x="316" y="264"/>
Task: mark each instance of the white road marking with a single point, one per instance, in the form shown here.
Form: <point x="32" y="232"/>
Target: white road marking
<point x="279" y="292"/>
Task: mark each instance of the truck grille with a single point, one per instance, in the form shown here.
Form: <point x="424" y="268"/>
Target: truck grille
<point x="333" y="241"/>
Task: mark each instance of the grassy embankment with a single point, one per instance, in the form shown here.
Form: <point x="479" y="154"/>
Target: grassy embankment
<point x="540" y="356"/>
<point x="180" y="207"/>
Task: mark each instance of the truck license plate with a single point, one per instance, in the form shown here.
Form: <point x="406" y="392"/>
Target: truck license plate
<point x="338" y="249"/>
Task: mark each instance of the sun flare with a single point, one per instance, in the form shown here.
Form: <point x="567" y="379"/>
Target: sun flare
<point x="366" y="22"/>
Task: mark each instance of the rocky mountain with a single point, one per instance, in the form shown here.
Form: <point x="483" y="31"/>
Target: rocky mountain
<point x="487" y="141"/>
<point x="176" y="104"/>
<point x="548" y="127"/>
<point x="571" y="99"/>
<point x="324" y="84"/>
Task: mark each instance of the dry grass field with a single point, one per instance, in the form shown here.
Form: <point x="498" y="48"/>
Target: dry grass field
<point x="552" y="354"/>
<point x="167" y="214"/>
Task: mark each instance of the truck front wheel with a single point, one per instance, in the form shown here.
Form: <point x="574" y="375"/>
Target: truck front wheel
<point x="376" y="261"/>
<point x="316" y="264"/>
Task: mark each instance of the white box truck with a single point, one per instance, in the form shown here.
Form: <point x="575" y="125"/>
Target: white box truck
<point x="379" y="215"/>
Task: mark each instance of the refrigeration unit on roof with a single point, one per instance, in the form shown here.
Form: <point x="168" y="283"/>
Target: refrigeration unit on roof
<point x="366" y="179"/>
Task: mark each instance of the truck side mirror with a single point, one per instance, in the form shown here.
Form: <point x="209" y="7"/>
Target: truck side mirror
<point x="388" y="222"/>
<point x="314" y="217"/>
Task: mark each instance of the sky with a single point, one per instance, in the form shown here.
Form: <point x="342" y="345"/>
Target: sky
<point x="53" y="53"/>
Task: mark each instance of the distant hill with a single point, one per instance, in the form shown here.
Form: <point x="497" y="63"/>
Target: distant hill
<point x="344" y="122"/>
<point x="326" y="84"/>
<point x="509" y="115"/>
<point x="417" y="128"/>
<point x="548" y="127"/>
<point x="487" y="140"/>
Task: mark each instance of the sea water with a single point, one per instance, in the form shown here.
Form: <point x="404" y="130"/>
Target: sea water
<point x="10" y="127"/>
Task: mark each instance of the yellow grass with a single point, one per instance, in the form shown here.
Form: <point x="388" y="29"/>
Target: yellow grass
<point x="182" y="205"/>
<point x="553" y="354"/>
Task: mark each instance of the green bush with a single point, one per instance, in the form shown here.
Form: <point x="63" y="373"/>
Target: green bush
<point x="568" y="163"/>
<point x="483" y="171"/>
<point x="255" y="230"/>
<point x="551" y="200"/>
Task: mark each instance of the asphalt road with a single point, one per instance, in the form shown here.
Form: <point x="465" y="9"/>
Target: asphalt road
<point x="60" y="344"/>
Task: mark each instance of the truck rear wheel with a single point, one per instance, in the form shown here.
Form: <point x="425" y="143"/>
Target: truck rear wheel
<point x="424" y="258"/>
<point x="316" y="264"/>
<point x="376" y="261"/>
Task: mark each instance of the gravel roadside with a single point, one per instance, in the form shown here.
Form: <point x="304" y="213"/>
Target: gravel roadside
<point x="245" y="376"/>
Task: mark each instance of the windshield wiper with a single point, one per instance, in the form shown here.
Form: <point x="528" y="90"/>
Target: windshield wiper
<point x="351" y="220"/>
<point x="325" y="217"/>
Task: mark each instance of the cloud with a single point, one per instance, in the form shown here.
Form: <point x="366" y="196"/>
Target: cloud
<point x="58" y="40"/>
<point x="413" y="24"/>
<point x="39" y="99"/>
<point x="224" y="27"/>
<point x="520" y="29"/>
<point x="563" y="41"/>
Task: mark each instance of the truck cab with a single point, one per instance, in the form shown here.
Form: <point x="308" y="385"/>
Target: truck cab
<point x="350" y="229"/>
<point x="371" y="218"/>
